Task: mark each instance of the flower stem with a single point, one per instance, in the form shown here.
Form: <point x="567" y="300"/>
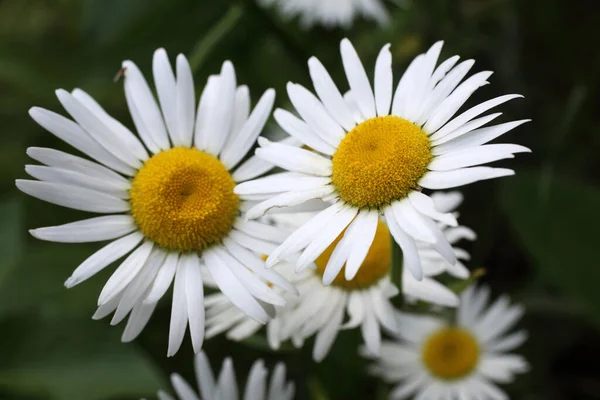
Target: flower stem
<point x="214" y="35"/>
<point x="396" y="273"/>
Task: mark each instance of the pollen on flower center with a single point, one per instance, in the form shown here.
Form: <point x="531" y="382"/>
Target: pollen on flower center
<point x="379" y="161"/>
<point x="451" y="353"/>
<point x="183" y="199"/>
<point x="375" y="266"/>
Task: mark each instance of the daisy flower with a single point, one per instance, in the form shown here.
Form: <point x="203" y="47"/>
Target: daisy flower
<point x="437" y="360"/>
<point x="320" y="309"/>
<point x="372" y="152"/>
<point x="331" y="13"/>
<point x="166" y="196"/>
<point x="226" y="387"/>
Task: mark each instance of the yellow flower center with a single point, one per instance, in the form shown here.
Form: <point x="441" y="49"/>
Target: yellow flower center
<point x="375" y="266"/>
<point x="183" y="199"/>
<point x="379" y="161"/>
<point x="451" y="353"/>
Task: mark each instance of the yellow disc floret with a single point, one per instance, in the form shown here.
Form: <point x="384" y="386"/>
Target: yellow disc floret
<point x="375" y="266"/>
<point x="379" y="161"/>
<point x="451" y="353"/>
<point x="183" y="199"/>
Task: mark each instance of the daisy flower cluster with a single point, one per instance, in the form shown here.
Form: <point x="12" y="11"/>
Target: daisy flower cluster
<point x="187" y="200"/>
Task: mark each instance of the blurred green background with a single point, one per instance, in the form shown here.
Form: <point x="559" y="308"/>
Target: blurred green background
<point x="538" y="231"/>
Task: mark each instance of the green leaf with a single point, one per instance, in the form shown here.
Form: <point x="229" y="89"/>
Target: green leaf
<point x="557" y="221"/>
<point x="73" y="359"/>
<point x="11" y="236"/>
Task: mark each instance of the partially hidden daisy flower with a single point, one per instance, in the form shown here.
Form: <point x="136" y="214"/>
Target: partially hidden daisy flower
<point x="167" y="200"/>
<point x="437" y="360"/>
<point x="372" y="152"/>
<point x="365" y="299"/>
<point x="225" y="385"/>
<point x="331" y="13"/>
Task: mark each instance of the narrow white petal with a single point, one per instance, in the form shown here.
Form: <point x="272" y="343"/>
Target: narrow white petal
<point x="288" y="199"/>
<point x="383" y="81"/>
<point x="139" y="317"/>
<point x="370" y="328"/>
<point x="404" y="89"/>
<point x="330" y="94"/>
<point x="475" y="156"/>
<point x="73" y="197"/>
<point x="227" y="384"/>
<point x="194" y="293"/>
<point x="204" y="376"/>
<point x="352" y="105"/>
<point x="78" y="179"/>
<point x="241" y="111"/>
<point x="144" y="110"/>
<point x="411" y="221"/>
<point x="357" y="79"/>
<point x="254" y="166"/>
<point x="460" y="177"/>
<point x="219" y="122"/>
<point x="233" y="289"/>
<point x="356" y="310"/>
<point x="281" y="182"/>
<point x="88" y="230"/>
<point x="103" y="257"/>
<point x="326" y="336"/>
<point x="384" y="310"/>
<point x="166" y="88"/>
<point x="426" y="206"/>
<point x="126" y="272"/>
<point x="238" y="145"/>
<point x="477" y="137"/>
<point x="362" y="233"/>
<point x="71" y="133"/>
<point x="301" y="131"/>
<point x="206" y="109"/>
<point x="327" y="235"/>
<point x="179" y="312"/>
<point x="59" y="159"/>
<point x="464" y="129"/>
<point x="182" y="388"/>
<point x="163" y="279"/>
<point x="452" y="103"/>
<point x="293" y="158"/>
<point x="421" y="88"/>
<point x="97" y="128"/>
<point x="428" y="290"/>
<point x="256" y="388"/>
<point x="409" y="249"/>
<point x="315" y="114"/>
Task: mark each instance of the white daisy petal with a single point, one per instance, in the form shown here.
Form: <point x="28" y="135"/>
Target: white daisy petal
<point x="163" y="279"/>
<point x="139" y="317"/>
<point x="330" y="94"/>
<point x="411" y="221"/>
<point x="293" y="158"/>
<point x="507" y="343"/>
<point x="301" y="131"/>
<point x="204" y="376"/>
<point x="232" y="288"/>
<point x="420" y="87"/>
<point x="326" y="336"/>
<point x="241" y="111"/>
<point x="166" y="88"/>
<point x="78" y="179"/>
<point x="144" y="110"/>
<point x="59" y="159"/>
<point x="460" y="177"/>
<point x="182" y="388"/>
<point x="357" y="79"/>
<point x="383" y="310"/>
<point x="206" y="110"/>
<point x="240" y="143"/>
<point x="409" y="249"/>
<point x="462" y="130"/>
<point x="88" y="230"/>
<point x="288" y="199"/>
<point x="185" y="102"/>
<point x="256" y="386"/>
<point x="179" y="313"/>
<point x="405" y="86"/>
<point x="475" y="156"/>
<point x="315" y="114"/>
<point x="356" y="310"/>
<point x="126" y="272"/>
<point x="428" y="290"/>
<point x="383" y="81"/>
<point x="452" y="103"/>
<point x="73" y="197"/>
<point x="195" y="300"/>
<point x="329" y="233"/>
<point x="362" y="233"/>
<point x="425" y="205"/>
<point x="119" y="132"/>
<point x="477" y="137"/>
<point x="219" y="122"/>
<point x="352" y="105"/>
<point x="370" y="328"/>
<point x="103" y="257"/>
<point x="281" y="182"/>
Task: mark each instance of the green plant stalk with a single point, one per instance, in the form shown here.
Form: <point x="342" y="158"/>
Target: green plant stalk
<point x="396" y="273"/>
<point x="206" y="44"/>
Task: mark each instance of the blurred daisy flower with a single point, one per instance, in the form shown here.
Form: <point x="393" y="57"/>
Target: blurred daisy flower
<point x="436" y="360"/>
<point x="373" y="151"/>
<point x="321" y="309"/>
<point x="331" y="13"/>
<point x="167" y="196"/>
<point x="226" y="387"/>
